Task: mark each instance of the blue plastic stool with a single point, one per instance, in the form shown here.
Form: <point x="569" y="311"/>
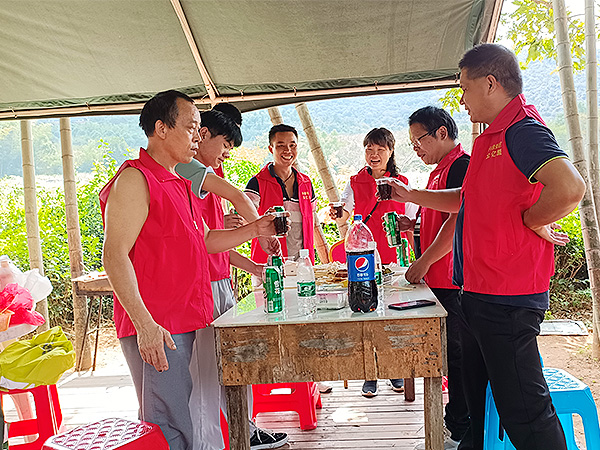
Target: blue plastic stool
<point x="569" y="396"/>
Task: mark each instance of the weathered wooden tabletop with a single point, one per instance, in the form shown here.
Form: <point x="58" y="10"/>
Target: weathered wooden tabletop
<point x="256" y="348"/>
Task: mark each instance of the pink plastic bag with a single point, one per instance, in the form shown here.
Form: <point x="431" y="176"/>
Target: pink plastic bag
<point x="20" y="302"/>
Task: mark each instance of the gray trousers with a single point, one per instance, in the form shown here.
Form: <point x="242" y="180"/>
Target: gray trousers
<point x="164" y="396"/>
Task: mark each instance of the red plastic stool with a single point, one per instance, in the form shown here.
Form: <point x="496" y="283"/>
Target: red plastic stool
<point x="47" y="421"/>
<point x="110" y="434"/>
<point x="303" y="399"/>
<point x="444" y="384"/>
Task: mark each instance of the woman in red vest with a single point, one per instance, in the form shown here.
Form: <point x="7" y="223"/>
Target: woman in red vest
<point x="360" y="195"/>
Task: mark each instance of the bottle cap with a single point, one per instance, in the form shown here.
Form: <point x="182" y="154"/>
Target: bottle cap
<point x="304" y="253"/>
<point x="279" y="209"/>
<point x="357" y="217"/>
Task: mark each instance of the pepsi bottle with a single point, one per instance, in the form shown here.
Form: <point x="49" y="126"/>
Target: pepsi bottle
<point x="360" y="258"/>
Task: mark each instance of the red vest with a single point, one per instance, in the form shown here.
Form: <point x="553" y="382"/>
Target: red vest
<point x="501" y="255"/>
<point x="271" y="195"/>
<point x="364" y="187"/>
<point x="169" y="255"/>
<point x="439" y="274"/>
<point x="212" y="213"/>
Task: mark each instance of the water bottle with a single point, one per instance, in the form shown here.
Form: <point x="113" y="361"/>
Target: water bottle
<point x="307" y="289"/>
<point x="360" y="257"/>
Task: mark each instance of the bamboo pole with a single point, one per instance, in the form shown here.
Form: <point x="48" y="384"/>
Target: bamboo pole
<point x="31" y="214"/>
<point x="589" y="224"/>
<point x="84" y="360"/>
<point x="592" y="101"/>
<point x="331" y="190"/>
<point x="475" y="132"/>
<point x="275" y="115"/>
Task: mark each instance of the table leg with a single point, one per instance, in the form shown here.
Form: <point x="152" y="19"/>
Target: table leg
<point x="237" y="417"/>
<point x="409" y="389"/>
<point x="434" y="414"/>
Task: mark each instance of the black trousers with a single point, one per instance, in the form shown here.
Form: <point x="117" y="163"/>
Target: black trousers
<point x="456" y="415"/>
<point x="501" y="346"/>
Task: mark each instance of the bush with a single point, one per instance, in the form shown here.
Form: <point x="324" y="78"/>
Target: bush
<point x="570" y="295"/>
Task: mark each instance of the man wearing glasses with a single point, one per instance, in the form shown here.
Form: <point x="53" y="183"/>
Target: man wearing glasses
<point x="437" y="143"/>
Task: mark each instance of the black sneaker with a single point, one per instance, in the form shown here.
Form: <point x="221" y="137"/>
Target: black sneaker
<point x="397" y="384"/>
<point x="262" y="439"/>
<point x="369" y="388"/>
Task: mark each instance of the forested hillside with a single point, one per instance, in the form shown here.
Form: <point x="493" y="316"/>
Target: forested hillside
<point x="342" y="123"/>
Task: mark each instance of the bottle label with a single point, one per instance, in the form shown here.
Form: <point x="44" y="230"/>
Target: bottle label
<point x="361" y="266"/>
<point x="378" y="278"/>
<point x="307" y="289"/>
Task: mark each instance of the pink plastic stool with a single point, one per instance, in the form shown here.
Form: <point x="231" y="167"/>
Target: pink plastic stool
<point x="303" y="399"/>
<point x="225" y="431"/>
<point x="47" y="421"/>
<point x="110" y="434"/>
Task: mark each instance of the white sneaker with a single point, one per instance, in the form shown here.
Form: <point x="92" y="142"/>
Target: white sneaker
<point x="449" y="443"/>
<point x="324" y="387"/>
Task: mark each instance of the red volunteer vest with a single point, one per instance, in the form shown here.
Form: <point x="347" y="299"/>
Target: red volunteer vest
<point x="169" y="255"/>
<point x="501" y="255"/>
<point x="364" y="187"/>
<point x="212" y="213"/>
<point x="271" y="195"/>
<point x="439" y="274"/>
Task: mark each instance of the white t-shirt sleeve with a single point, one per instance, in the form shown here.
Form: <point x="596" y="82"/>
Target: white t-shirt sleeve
<point x="195" y="172"/>
<point x="348" y="198"/>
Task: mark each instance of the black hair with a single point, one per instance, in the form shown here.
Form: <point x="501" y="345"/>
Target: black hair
<point x="220" y="124"/>
<point x="231" y="111"/>
<point x="385" y="138"/>
<point x="432" y="118"/>
<point x="494" y="59"/>
<point x="281" y="128"/>
<point x="163" y="107"/>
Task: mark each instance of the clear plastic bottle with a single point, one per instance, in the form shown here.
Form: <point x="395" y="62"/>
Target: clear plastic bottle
<point x="360" y="257"/>
<point x="307" y="289"/>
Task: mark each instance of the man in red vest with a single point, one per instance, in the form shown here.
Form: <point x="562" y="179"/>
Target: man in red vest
<point x="280" y="184"/>
<point x="519" y="182"/>
<point x="219" y="133"/>
<point x="155" y="255"/>
<point x="434" y="137"/>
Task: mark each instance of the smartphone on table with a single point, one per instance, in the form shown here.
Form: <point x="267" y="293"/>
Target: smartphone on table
<point x="410" y="304"/>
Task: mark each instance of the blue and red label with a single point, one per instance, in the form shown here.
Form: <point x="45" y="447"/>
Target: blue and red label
<point x="361" y="267"/>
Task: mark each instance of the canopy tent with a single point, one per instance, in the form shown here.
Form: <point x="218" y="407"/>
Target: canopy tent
<point x="82" y="57"/>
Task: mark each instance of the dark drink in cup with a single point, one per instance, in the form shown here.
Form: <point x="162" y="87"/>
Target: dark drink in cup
<point x="384" y="190"/>
<point x="280" y="221"/>
<point x="338" y="207"/>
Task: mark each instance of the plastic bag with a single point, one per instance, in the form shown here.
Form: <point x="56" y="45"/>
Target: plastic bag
<point x="33" y="362"/>
<point x="18" y="300"/>
<point x="38" y="285"/>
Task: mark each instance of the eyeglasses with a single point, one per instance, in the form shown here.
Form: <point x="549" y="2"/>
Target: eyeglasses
<point x="417" y="142"/>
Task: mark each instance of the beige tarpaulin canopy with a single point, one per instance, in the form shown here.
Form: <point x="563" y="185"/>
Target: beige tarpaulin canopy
<point x="71" y="57"/>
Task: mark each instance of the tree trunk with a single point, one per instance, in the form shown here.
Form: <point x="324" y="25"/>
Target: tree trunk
<point x="592" y="101"/>
<point x="329" y="185"/>
<point x="31" y="214"/>
<point x="83" y="353"/>
<point x="589" y="224"/>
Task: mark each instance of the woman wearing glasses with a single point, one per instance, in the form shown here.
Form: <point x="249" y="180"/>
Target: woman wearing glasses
<point x="360" y="195"/>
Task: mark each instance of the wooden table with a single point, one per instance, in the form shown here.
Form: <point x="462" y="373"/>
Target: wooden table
<point x="256" y="348"/>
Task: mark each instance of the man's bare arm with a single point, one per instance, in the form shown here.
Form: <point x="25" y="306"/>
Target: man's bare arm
<point x="242" y="204"/>
<point x="445" y="200"/>
<point x="563" y="190"/>
<point x="125" y="214"/>
<point x="440" y="247"/>
<point x="218" y="241"/>
<point x="241" y="262"/>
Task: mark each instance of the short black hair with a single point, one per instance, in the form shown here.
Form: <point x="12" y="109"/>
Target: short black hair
<point x="163" y="106"/>
<point x="494" y="59"/>
<point x="432" y="118"/>
<point x="231" y="111"/>
<point x="220" y="124"/>
<point x="281" y="128"/>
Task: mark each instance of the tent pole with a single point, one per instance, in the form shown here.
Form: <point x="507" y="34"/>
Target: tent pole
<point x="31" y="214"/>
<point x="84" y="360"/>
<point x="275" y="115"/>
